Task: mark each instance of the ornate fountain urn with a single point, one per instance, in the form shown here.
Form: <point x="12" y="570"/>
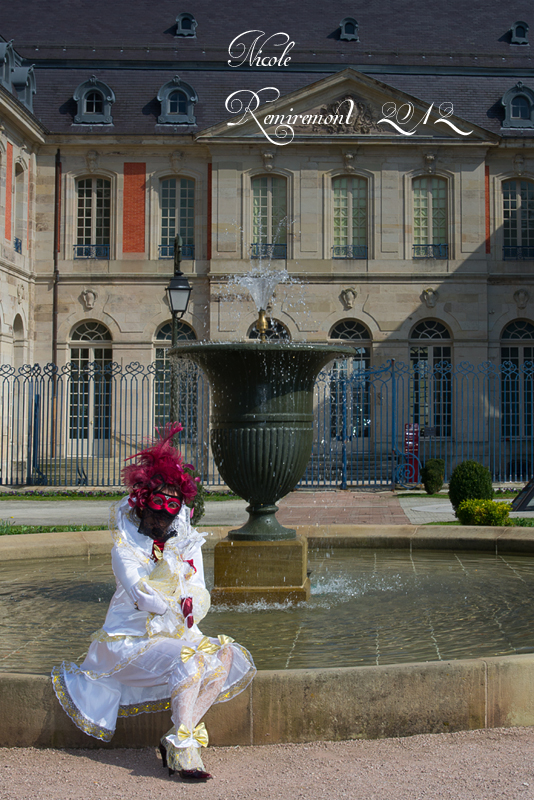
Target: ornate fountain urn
<point x="261" y="437"/>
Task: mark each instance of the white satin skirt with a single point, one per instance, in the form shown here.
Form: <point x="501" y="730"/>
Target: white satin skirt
<point x="128" y="675"/>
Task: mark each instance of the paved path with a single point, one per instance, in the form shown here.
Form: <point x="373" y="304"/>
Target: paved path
<point x="301" y="507"/>
<point x="471" y="765"/>
<point x="298" y="508"/>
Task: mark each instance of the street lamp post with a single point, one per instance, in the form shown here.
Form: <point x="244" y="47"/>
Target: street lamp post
<point x="178" y="293"/>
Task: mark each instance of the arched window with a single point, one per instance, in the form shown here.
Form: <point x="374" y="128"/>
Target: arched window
<point x="177" y="198"/>
<point x="518" y="219"/>
<point x="94" y="103"/>
<point x="350" y="217"/>
<point x="276" y="331"/>
<point x="348" y="30"/>
<point x="177" y="103"/>
<point x="94" y="99"/>
<point x="93" y="231"/>
<point x="517" y="375"/>
<point x="18" y="342"/>
<point x="430" y="377"/>
<point x="21" y="206"/>
<point x="269" y="217"/>
<point x="430" y="224"/>
<point x="350" y="406"/>
<point x="177" y="100"/>
<point x="186" y="24"/>
<point x="519" y="33"/>
<point x="90" y="411"/>
<point x="518" y="105"/>
<point x="188" y="380"/>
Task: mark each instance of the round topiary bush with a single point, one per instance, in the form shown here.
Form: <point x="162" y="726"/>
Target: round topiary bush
<point x="198" y="502"/>
<point x="470" y="481"/>
<point x="433" y="475"/>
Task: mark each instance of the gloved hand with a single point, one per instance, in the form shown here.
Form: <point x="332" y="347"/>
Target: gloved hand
<point x="186" y="604"/>
<point x="148" y="599"/>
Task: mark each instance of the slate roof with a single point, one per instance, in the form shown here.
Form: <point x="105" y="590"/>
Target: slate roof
<point x="400" y="26"/>
<point x="136" y="108"/>
<point x="437" y="51"/>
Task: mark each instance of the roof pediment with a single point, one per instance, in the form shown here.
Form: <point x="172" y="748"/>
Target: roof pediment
<point x="346" y="105"/>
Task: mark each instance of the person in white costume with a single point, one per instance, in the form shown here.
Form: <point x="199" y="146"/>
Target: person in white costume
<point x="150" y="654"/>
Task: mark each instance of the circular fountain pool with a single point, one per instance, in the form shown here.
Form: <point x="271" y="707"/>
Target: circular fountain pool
<point x="367" y="607"/>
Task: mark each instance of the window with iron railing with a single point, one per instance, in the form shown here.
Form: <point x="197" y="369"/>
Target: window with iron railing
<point x="187" y="390"/>
<point x="350" y="406"/>
<point x="517" y="379"/>
<point x="430" y="378"/>
<point x="350" y="217"/>
<point x="177" y="216"/>
<point x="269" y="217"/>
<point x="430" y="224"/>
<point x="93" y="218"/>
<point x="518" y="220"/>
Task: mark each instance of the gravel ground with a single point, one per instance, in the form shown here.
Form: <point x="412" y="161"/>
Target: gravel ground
<point x="474" y="765"/>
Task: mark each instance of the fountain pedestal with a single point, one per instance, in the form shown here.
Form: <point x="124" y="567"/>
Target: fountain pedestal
<point x="248" y="571"/>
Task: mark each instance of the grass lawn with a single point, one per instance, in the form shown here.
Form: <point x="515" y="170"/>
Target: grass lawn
<point x="96" y="495"/>
<point x="10" y="530"/>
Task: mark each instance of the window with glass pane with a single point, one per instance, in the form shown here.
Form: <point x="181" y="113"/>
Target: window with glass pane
<point x="177" y="103"/>
<point x="269" y="210"/>
<point x="187" y="395"/>
<point x="94" y="103"/>
<point x="430" y="378"/>
<point x="518" y="213"/>
<point x="350" y="405"/>
<point x="94" y="211"/>
<point x="520" y="108"/>
<point x="350" y="211"/>
<point x="91" y="384"/>
<point x="177" y="210"/>
<point x="430" y="210"/>
<point x="517" y="376"/>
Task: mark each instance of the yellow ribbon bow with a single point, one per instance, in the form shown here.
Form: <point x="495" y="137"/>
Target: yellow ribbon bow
<point x="205" y="646"/>
<point x="225" y="639"/>
<point x="198" y="734"/>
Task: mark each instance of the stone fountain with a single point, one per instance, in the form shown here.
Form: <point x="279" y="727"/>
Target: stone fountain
<point x="261" y="438"/>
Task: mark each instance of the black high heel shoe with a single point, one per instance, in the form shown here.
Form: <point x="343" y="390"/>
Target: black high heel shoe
<point x="164" y="758"/>
<point x="194" y="775"/>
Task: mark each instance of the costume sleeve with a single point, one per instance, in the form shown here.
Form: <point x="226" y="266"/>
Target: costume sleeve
<point x="128" y="567"/>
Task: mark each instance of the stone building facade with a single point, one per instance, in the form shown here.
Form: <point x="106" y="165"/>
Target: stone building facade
<point x="416" y="245"/>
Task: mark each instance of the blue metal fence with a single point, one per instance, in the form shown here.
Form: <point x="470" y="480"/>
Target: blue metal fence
<point x="75" y="426"/>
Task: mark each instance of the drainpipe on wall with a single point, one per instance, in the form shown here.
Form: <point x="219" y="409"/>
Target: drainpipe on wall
<point x="57" y="210"/>
<point x="57" y="239"/>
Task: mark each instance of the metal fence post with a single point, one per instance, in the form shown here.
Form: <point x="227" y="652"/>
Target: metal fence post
<point x="393" y="421"/>
<point x="343" y="388"/>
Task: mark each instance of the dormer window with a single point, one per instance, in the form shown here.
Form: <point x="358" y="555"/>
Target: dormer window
<point x="349" y="30"/>
<point x="518" y="107"/>
<point x="23" y="82"/>
<point x="94" y="99"/>
<point x="519" y="33"/>
<point x="186" y="25"/>
<point x="177" y="103"/>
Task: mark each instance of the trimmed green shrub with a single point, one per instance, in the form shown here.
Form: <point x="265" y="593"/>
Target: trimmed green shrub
<point x="470" y="481"/>
<point x="198" y="502"/>
<point x="483" y="512"/>
<point x="433" y="474"/>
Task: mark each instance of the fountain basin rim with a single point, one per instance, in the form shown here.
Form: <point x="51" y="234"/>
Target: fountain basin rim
<point x="433" y="537"/>
<point x="318" y="704"/>
<point x="182" y="348"/>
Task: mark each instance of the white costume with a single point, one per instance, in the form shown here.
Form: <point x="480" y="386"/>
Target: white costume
<point x="144" y="662"/>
